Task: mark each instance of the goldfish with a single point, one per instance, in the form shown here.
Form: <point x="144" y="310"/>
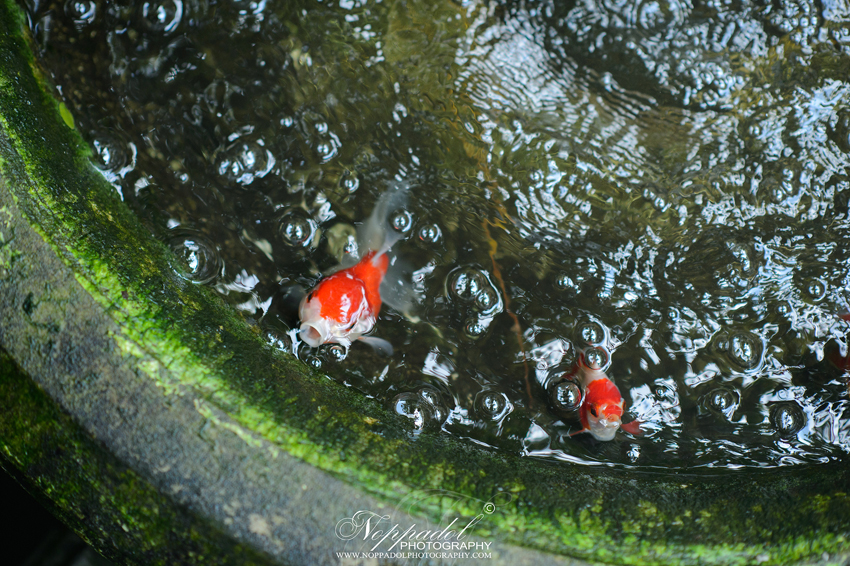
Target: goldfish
<point x="601" y="409"/>
<point x="344" y="305"/>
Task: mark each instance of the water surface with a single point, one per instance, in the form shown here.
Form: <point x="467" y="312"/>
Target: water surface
<point x="664" y="182"/>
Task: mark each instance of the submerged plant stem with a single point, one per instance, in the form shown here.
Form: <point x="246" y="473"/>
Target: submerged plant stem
<point x="516" y="328"/>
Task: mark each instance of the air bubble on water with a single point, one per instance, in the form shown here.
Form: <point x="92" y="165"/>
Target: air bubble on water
<point x="327" y="150"/>
<point x="486" y="299"/>
<point x="633" y="453"/>
<point x="721" y="400"/>
<point x="465" y="283"/>
<point x="401" y="221"/>
<point x="336" y="352"/>
<point x="109" y="153"/>
<point x="198" y="260"/>
<point x="492" y="405"/>
<point x="592" y="333"/>
<point x="297" y="228"/>
<point x="82" y="12"/>
<point x="564" y="282"/>
<point x="430" y="233"/>
<point x="815" y="289"/>
<point x="565" y="395"/>
<point x="350" y="183"/>
<point x="412" y="406"/>
<point x="745" y="350"/>
<point x="244" y="161"/>
<point x="474" y="328"/>
<point x="596" y="358"/>
<point x="787" y="417"/>
<point x="314" y="361"/>
<point x="162" y="16"/>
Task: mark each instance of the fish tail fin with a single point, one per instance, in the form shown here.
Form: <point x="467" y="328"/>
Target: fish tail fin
<point x="376" y="233"/>
<point x="399" y="290"/>
<point x="397" y="287"/>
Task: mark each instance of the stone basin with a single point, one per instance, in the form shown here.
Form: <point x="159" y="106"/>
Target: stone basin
<point x="161" y="427"/>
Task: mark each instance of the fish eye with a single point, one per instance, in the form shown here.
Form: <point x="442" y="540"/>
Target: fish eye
<point x="593" y="410"/>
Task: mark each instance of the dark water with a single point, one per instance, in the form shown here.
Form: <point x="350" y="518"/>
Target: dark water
<point x="665" y="181"/>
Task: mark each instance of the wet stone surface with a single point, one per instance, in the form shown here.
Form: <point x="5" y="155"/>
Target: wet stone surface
<point x="660" y="187"/>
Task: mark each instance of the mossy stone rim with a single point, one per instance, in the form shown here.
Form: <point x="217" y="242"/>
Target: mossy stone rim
<point x="227" y="435"/>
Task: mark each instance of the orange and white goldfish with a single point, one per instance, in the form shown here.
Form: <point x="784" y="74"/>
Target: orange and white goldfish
<point x="344" y="306"/>
<point x="601" y="410"/>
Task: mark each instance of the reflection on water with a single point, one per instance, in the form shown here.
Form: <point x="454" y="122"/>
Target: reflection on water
<point x="662" y="181"/>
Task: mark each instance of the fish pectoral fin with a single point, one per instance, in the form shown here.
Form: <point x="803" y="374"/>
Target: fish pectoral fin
<point x="576" y="433"/>
<point x="632" y="428"/>
<point x="380" y="345"/>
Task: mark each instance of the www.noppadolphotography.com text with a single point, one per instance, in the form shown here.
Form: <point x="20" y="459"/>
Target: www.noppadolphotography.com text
<point x="384" y="536"/>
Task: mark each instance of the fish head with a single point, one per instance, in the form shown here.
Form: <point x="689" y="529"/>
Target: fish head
<point x="604" y="418"/>
<point x="315" y="332"/>
<point x="330" y="316"/>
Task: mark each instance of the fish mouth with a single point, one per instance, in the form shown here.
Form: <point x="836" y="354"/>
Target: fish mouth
<point x="605" y="428"/>
<point x="312" y="335"/>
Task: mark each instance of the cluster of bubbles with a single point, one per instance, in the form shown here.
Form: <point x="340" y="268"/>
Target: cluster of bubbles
<point x="476" y="295"/>
<point x="243" y="161"/>
<point x="655" y="190"/>
<point x="424" y="407"/>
